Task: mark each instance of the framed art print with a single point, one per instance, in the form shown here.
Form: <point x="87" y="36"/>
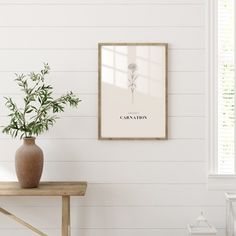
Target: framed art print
<point x="132" y="91"/>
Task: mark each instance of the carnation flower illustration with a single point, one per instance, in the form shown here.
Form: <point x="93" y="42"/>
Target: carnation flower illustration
<point x="132" y="79"/>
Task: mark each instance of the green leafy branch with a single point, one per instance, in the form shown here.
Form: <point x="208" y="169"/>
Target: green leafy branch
<point x="40" y="108"/>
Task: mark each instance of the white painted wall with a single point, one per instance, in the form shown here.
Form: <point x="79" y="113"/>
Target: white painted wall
<point x="135" y="188"/>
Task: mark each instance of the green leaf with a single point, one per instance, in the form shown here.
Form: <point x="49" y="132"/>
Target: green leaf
<point x="36" y="116"/>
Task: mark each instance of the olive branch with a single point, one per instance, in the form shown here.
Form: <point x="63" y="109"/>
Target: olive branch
<point x="40" y="108"/>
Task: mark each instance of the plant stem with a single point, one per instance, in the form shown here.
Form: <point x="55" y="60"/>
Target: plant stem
<point x="40" y="114"/>
<point x="32" y="92"/>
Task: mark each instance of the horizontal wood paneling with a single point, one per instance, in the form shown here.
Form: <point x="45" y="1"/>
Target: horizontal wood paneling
<point x="179" y="105"/>
<point x="186" y="127"/>
<point x="110" y="232"/>
<point x="109" y="2"/>
<point x="80" y="150"/>
<point x="110" y="172"/>
<point x="86" y="60"/>
<point x="66" y="15"/>
<point x="86" y="128"/>
<point x="186" y="105"/>
<point x="79" y="82"/>
<point x="151" y="195"/>
<point x="186" y="60"/>
<point x="118" y="217"/>
<point x="135" y="188"/>
<point x="89" y="37"/>
<point x="132" y="195"/>
<point x="186" y="82"/>
<point x="86" y="82"/>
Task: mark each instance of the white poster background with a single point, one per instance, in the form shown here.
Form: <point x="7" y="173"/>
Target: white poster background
<point x="137" y="114"/>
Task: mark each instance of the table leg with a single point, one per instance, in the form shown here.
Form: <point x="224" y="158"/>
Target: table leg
<point x="65" y="215"/>
<point x="22" y="222"/>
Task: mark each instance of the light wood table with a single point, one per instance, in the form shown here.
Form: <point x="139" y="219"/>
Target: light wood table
<point x="62" y="189"/>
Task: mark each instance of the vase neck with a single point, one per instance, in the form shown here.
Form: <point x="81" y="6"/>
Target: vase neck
<point x="29" y="141"/>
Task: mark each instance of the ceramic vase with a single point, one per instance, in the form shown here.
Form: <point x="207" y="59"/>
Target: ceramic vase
<point x="29" y="163"/>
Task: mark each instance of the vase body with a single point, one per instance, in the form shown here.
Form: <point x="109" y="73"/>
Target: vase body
<point x="29" y="163"/>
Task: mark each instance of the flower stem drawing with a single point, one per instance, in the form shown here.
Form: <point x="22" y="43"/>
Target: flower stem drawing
<point x="132" y="79"/>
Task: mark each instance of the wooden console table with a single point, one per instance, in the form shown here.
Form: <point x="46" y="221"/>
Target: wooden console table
<point x="62" y="189"/>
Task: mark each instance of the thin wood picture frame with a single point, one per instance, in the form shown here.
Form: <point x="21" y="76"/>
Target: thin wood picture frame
<point x="132" y="91"/>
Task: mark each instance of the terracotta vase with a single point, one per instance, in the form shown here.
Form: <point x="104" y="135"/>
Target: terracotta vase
<point x="29" y="163"/>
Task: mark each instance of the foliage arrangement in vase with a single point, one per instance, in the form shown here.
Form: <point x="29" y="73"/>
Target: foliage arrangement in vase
<point x="36" y="116"/>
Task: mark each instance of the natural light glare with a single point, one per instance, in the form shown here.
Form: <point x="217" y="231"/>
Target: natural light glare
<point x="226" y="74"/>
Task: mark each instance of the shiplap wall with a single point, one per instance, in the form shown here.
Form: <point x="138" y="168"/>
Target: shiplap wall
<point x="136" y="188"/>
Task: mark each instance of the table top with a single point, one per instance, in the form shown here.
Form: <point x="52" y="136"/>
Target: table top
<point x="71" y="188"/>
